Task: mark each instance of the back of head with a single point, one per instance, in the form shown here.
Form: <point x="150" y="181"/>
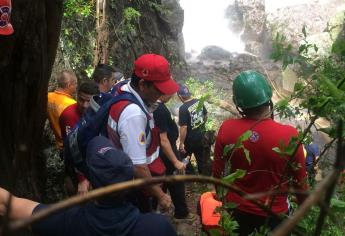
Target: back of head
<point x="105" y="164"/>
<point x="88" y="87"/>
<point x="184" y="91"/>
<point x="155" y="69"/>
<point x="102" y="71"/>
<point x="65" y="78"/>
<point x="251" y="90"/>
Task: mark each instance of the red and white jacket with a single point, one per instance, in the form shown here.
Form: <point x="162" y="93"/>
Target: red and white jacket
<point x="132" y="130"/>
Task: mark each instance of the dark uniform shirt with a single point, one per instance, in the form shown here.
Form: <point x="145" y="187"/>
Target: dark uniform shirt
<point x="194" y="119"/>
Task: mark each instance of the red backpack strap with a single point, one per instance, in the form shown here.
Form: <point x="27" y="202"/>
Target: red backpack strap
<point x="117" y="109"/>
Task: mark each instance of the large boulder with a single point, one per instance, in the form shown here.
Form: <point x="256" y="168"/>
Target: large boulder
<point x="214" y="53"/>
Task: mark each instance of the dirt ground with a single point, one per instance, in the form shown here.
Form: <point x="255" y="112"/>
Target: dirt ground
<point x="190" y="228"/>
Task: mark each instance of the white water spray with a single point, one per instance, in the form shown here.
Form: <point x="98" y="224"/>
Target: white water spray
<point x="205" y="24"/>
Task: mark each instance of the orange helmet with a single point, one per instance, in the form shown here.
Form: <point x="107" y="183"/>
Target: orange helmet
<point x="5" y="15"/>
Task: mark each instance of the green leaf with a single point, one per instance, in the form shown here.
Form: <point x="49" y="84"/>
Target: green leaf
<point x="304" y="31"/>
<point x="246" y="153"/>
<point x="230" y="205"/>
<point x="277" y="150"/>
<point x="228" y="149"/>
<point x="298" y="87"/>
<point x="301" y="48"/>
<point x="245" y="136"/>
<point x="215" y="232"/>
<point x="232" y="177"/>
<point x="337" y="205"/>
<point x="332" y="88"/>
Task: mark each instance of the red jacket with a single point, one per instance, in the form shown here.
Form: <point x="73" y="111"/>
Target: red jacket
<point x="266" y="167"/>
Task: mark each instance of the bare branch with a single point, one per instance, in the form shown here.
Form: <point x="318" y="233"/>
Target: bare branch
<point x="101" y="192"/>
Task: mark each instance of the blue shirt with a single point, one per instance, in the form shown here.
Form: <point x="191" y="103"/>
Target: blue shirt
<point x="312" y="152"/>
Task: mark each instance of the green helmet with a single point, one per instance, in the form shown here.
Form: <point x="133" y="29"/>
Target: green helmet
<point x="250" y="89"/>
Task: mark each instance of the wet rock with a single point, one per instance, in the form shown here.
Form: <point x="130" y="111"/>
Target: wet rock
<point x="214" y="53"/>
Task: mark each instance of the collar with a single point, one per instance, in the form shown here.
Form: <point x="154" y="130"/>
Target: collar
<point x="63" y="93"/>
<point x="128" y="88"/>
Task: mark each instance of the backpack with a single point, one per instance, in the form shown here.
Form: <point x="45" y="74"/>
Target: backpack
<point x="92" y="124"/>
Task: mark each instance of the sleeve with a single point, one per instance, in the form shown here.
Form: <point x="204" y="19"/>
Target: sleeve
<point x="315" y="149"/>
<point x="53" y="225"/>
<point x="67" y="121"/>
<point x="132" y="125"/>
<point x="160" y="117"/>
<point x="65" y="129"/>
<point x="183" y="116"/>
<point x="218" y="162"/>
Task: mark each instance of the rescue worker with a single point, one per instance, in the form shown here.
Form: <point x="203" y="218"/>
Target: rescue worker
<point x="192" y="122"/>
<point x="110" y="215"/>
<point x="265" y="169"/>
<point x="168" y="132"/>
<point x="131" y="127"/>
<point x="104" y="76"/>
<point x="58" y="100"/>
<point x="68" y="120"/>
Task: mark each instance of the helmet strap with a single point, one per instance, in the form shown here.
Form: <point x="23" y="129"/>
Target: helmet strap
<point x="240" y="111"/>
<point x="271" y="109"/>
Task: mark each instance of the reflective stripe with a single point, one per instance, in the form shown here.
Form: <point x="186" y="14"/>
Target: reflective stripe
<point x="153" y="157"/>
<point x="94" y="105"/>
<point x="112" y="123"/>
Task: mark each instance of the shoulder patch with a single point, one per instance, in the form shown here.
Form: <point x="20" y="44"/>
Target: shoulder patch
<point x="254" y="137"/>
<point x="142" y="138"/>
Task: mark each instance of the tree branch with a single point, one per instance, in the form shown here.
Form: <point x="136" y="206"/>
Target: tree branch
<point x="101" y="192"/>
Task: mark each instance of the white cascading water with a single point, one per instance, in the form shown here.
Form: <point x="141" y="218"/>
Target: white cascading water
<point x="205" y="24"/>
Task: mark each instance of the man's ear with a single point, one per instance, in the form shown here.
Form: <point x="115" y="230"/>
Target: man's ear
<point x="104" y="80"/>
<point x="141" y="85"/>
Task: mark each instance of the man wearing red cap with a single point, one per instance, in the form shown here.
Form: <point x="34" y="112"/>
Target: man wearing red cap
<point x="5" y="14"/>
<point x="132" y="128"/>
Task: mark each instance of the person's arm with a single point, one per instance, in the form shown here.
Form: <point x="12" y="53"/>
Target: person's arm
<point x="183" y="134"/>
<point x="131" y="129"/>
<point x="142" y="171"/>
<point x="166" y="148"/>
<point x="183" y="117"/>
<point x="20" y="207"/>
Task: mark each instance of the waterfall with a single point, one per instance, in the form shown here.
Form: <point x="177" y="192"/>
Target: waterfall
<point x="205" y="24"/>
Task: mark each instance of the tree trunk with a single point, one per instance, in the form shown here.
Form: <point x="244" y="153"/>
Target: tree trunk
<point x="26" y="60"/>
<point x="101" y="54"/>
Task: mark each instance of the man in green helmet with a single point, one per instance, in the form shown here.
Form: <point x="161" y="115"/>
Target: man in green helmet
<point x="265" y="169"/>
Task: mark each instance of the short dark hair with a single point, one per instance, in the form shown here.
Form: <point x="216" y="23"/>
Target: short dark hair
<point x="135" y="81"/>
<point x="89" y="87"/>
<point x="102" y="71"/>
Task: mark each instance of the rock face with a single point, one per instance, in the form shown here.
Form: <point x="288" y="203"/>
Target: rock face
<point x="260" y="23"/>
<point x="158" y="30"/>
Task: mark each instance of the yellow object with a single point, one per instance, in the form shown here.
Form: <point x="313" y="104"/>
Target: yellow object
<point x="57" y="103"/>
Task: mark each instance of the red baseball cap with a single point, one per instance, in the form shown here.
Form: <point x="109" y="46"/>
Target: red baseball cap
<point x="155" y="68"/>
<point x="5" y="14"/>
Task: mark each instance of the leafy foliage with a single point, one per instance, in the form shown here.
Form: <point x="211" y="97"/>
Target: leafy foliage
<point x="321" y="90"/>
<point x="209" y="96"/>
<point x="77" y="43"/>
